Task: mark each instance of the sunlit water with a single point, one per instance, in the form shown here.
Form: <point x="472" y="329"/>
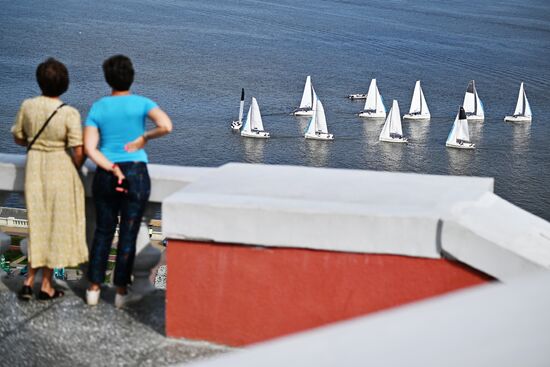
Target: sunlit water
<point x="194" y="56"/>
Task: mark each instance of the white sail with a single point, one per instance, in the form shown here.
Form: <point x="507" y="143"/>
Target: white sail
<point x="522" y="106"/>
<point x="256" y="118"/>
<point x="392" y="126"/>
<point x="472" y="104"/>
<point x="307" y="96"/>
<point x="480" y="111"/>
<point x="451" y="139"/>
<point x="241" y="106"/>
<point x="469" y="104"/>
<point x="312" y="125"/>
<point x="460" y="129"/>
<point x="462" y="132"/>
<point x="320" y="118"/>
<point x="372" y="97"/>
<point x="424" y="110"/>
<point x="380" y="108"/>
<point x="246" y="126"/>
<point x="416" y="102"/>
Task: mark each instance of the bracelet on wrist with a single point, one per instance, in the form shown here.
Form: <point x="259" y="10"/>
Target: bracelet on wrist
<point x="113" y="167"/>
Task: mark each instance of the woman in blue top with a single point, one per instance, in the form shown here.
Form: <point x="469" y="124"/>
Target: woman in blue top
<point x="121" y="184"/>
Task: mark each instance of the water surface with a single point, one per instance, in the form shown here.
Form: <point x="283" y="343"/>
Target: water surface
<point x="193" y="57"/>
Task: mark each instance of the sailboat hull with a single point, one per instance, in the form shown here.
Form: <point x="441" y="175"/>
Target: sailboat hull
<point x="357" y="96"/>
<point x="373" y="115"/>
<point x="255" y="134"/>
<point x="475" y="118"/>
<point x="517" y="119"/>
<point x="416" y="117"/>
<point x="322" y="136"/>
<point x="461" y="146"/>
<point x="303" y="113"/>
<point x="394" y="140"/>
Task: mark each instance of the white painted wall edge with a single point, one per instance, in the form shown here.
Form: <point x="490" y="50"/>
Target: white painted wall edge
<point x="319" y="208"/>
<point x="503" y="325"/>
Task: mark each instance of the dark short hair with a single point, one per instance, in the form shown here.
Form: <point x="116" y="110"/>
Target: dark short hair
<point x="119" y="72"/>
<point x="52" y="77"/>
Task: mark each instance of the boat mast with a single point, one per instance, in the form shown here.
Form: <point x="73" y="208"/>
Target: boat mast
<point x="420" y="96"/>
<point x="524" y="103"/>
<point x="475" y="97"/>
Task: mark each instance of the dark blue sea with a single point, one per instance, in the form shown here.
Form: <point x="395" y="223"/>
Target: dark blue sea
<point x="192" y="57"/>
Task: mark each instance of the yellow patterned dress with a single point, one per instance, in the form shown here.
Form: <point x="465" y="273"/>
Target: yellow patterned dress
<point x="53" y="189"/>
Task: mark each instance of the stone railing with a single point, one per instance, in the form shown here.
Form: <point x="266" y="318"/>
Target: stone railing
<point x="13" y="222"/>
<point x="165" y="180"/>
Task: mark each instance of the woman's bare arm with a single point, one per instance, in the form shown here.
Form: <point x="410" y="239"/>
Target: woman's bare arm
<point x="22" y="142"/>
<point x="164" y="126"/>
<point x="78" y="156"/>
<point x="91" y="140"/>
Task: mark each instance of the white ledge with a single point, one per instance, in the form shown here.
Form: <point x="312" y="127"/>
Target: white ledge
<point x="319" y="208"/>
<point x="498" y="238"/>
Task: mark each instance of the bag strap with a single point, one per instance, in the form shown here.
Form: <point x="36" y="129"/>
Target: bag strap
<point x="43" y="127"/>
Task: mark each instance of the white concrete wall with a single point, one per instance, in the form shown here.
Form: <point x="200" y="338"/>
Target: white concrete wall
<point x="319" y="208"/>
<point x="504" y="325"/>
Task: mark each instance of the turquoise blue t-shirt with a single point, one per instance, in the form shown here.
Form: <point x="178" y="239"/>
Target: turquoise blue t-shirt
<point x="120" y="120"/>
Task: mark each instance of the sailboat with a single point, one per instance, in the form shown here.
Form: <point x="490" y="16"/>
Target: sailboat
<point x="392" y="131"/>
<point x="317" y="127"/>
<point x="459" y="137"/>
<point x="306" y="104"/>
<point x="374" y="106"/>
<point x="522" y="113"/>
<point x="472" y="104"/>
<point x="419" y="108"/>
<point x="253" y="126"/>
<point x="236" y="125"/>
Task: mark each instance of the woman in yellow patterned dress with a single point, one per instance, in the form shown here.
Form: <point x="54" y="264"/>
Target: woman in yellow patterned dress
<point x="54" y="193"/>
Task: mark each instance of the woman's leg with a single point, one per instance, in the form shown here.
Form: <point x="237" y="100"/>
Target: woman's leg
<point x="131" y="212"/>
<point x="47" y="281"/>
<point x="107" y="204"/>
<point x="29" y="281"/>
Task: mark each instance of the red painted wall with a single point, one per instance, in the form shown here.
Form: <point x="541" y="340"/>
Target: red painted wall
<point x="237" y="295"/>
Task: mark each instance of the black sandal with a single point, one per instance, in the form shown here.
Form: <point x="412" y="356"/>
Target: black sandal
<point x="25" y="293"/>
<point x="43" y="296"/>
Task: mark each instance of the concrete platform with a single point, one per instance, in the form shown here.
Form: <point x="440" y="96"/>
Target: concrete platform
<point x="66" y="332"/>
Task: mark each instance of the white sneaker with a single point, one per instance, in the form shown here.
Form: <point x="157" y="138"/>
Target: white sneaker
<point x="121" y="300"/>
<point x="92" y="297"/>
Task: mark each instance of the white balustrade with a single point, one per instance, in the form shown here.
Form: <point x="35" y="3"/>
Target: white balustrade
<point x="165" y="180"/>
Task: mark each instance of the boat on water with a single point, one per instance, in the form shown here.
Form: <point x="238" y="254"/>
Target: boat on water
<point x="253" y="126"/>
<point x="472" y="104"/>
<point x="317" y="128"/>
<point x="374" y="105"/>
<point x="306" y="104"/>
<point x="392" y="131"/>
<point x="459" y="137"/>
<point x="237" y="124"/>
<point x="419" y="108"/>
<point x="522" y="113"/>
<point x="357" y="96"/>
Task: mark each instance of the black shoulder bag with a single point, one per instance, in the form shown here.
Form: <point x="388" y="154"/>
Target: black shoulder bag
<point x="43" y="127"/>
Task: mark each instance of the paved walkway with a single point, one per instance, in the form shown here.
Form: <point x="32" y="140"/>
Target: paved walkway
<point x="66" y="332"/>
